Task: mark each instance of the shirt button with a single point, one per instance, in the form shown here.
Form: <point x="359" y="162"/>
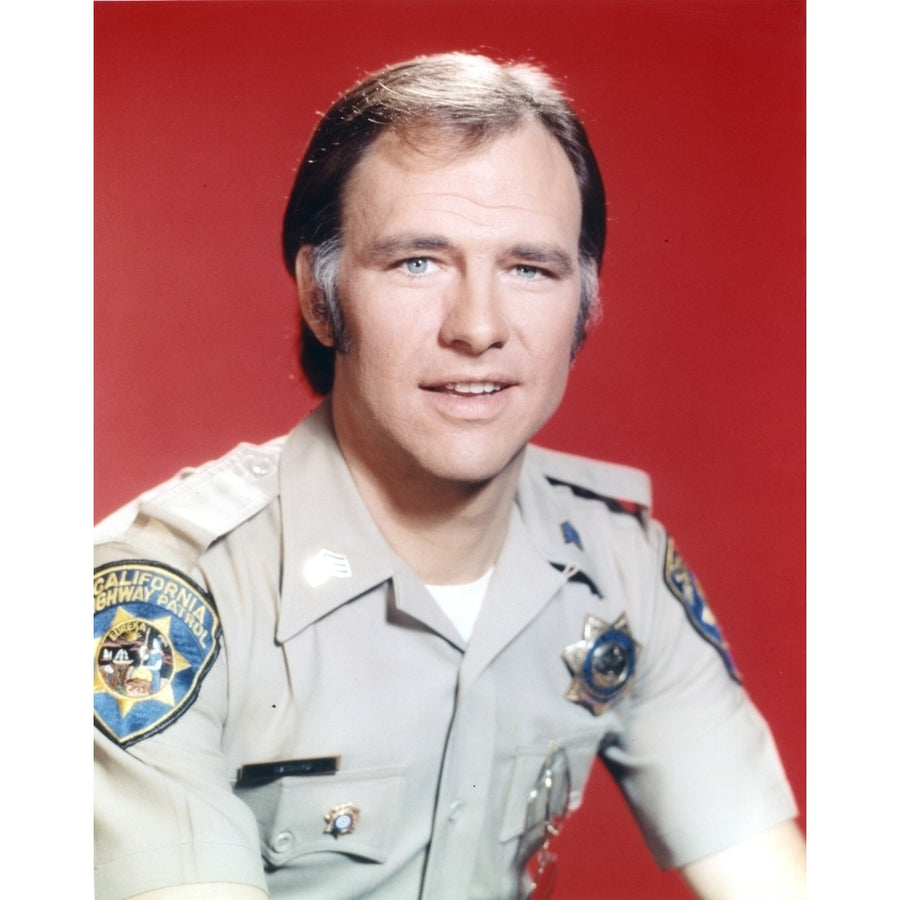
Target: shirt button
<point x="455" y="810"/>
<point x="283" y="841"/>
<point x="260" y="466"/>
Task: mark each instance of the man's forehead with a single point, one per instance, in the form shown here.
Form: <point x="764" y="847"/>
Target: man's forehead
<point x="514" y="195"/>
<point x="517" y="163"/>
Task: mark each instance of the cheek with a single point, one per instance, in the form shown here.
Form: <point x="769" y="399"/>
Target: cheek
<point x="554" y="360"/>
<point x="383" y="349"/>
<point x="551" y="341"/>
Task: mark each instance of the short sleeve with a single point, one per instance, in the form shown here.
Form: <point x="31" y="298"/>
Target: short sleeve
<point x="165" y="812"/>
<point x="695" y="759"/>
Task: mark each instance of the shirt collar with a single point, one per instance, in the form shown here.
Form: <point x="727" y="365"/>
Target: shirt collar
<point x="333" y="551"/>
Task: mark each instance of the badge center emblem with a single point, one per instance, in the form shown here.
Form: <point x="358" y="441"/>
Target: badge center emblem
<point x="608" y="663"/>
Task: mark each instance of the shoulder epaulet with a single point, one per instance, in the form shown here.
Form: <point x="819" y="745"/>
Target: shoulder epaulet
<point x="621" y="489"/>
<point x="202" y="504"/>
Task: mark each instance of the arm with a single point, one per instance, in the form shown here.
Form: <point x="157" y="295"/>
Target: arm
<point x="767" y="866"/>
<point x="165" y="810"/>
<point x="204" y="892"/>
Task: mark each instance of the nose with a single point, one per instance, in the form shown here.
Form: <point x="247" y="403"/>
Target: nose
<point x="474" y="318"/>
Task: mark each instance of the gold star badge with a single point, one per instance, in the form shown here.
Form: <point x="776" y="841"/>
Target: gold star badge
<point x="601" y="663"/>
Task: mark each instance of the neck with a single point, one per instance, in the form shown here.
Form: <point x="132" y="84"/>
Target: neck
<point x="447" y="532"/>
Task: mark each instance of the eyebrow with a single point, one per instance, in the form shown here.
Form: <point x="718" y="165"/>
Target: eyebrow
<point x="390" y="248"/>
<point x="545" y="254"/>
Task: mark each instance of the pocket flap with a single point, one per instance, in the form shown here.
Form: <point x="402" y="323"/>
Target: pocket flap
<point x="304" y="805"/>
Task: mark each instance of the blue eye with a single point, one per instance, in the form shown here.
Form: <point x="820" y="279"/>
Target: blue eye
<point x="418" y="265"/>
<point x="527" y="271"/>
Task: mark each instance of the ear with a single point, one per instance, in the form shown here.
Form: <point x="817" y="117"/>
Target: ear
<point x="312" y="303"/>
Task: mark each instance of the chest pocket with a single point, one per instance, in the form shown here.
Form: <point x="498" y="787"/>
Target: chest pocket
<point x="581" y="751"/>
<point x="293" y="814"/>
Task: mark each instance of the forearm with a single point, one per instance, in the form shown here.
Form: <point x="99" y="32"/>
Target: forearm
<point x="767" y="866"/>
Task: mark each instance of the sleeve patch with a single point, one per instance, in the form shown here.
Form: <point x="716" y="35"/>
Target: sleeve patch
<point x="684" y="586"/>
<point x="156" y="634"/>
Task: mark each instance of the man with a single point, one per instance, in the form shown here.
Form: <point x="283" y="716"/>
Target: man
<point x="400" y="636"/>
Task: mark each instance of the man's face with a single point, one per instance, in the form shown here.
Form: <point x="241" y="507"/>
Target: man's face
<point x="459" y="287"/>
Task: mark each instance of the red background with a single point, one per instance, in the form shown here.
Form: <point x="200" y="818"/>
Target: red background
<point x="696" y="374"/>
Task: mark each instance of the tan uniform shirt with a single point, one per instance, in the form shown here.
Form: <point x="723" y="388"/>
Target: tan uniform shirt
<point x="331" y="647"/>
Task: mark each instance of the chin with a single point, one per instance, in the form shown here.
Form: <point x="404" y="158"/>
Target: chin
<point x="473" y="470"/>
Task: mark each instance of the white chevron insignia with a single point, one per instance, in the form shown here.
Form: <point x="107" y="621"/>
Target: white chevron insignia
<point x="324" y="565"/>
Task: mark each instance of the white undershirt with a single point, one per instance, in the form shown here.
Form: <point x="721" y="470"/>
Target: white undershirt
<point x="462" y="602"/>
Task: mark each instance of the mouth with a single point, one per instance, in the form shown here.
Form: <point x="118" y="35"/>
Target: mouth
<point x="468" y="388"/>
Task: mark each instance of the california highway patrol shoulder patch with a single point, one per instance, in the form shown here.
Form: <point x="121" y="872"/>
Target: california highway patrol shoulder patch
<point x="682" y="583"/>
<point x="156" y="634"/>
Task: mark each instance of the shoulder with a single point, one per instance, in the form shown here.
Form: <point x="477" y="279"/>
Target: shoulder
<point x="157" y="626"/>
<point x="578" y="479"/>
<point x="181" y="518"/>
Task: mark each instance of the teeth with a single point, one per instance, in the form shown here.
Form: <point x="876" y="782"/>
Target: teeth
<point x="474" y="387"/>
